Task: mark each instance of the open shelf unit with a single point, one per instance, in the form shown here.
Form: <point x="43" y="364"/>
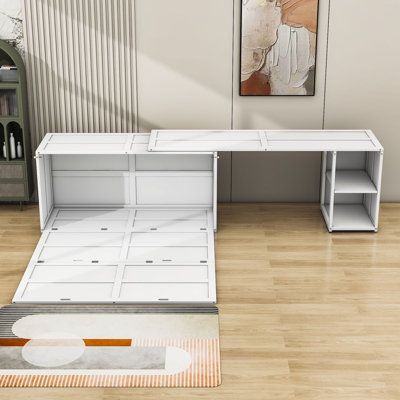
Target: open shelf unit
<point x="350" y="189"/>
<point x="16" y="181"/>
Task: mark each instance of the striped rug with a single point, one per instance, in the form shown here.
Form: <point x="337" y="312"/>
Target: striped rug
<point x="202" y="352"/>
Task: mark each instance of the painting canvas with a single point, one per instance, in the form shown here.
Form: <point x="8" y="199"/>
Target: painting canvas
<point x="278" y="47"/>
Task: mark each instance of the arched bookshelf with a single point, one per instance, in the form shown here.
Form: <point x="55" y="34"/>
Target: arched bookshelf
<point x="16" y="183"/>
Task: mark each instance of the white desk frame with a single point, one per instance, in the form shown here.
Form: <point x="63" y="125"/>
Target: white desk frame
<point x="351" y="172"/>
<point x="130" y="218"/>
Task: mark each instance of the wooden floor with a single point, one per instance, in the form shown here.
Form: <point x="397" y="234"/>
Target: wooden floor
<point x="304" y="314"/>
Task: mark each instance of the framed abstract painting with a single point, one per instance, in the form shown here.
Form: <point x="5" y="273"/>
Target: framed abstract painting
<point x="278" y="47"/>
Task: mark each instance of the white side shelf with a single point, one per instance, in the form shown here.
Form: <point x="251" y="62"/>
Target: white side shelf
<point x="351" y="217"/>
<point x="350" y="190"/>
<point x="352" y="182"/>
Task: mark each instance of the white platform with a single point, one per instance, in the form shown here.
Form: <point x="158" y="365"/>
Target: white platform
<point x="123" y="255"/>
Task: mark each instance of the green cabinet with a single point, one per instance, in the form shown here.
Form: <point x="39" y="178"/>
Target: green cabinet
<point x="16" y="183"/>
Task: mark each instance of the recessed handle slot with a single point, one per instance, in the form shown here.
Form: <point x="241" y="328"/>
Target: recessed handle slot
<point x="54" y="229"/>
<point x="65" y="299"/>
<point x="95" y="261"/>
<point x="104" y="229"/>
<point x="203" y="261"/>
<point x="149" y="262"/>
<point x="40" y="262"/>
<point x="153" y="229"/>
<point x="203" y="229"/>
<point x="167" y="260"/>
<point x="163" y="299"/>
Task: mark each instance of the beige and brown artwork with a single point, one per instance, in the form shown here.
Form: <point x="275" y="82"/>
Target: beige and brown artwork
<point x="278" y="47"/>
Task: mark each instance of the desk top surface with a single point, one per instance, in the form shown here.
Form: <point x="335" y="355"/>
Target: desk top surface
<point x="208" y="141"/>
<point x="263" y="140"/>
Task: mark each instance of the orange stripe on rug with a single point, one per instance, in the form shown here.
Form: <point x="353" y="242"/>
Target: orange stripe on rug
<point x="88" y="342"/>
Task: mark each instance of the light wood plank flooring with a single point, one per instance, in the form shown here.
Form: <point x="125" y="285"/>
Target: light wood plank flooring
<point x="304" y="314"/>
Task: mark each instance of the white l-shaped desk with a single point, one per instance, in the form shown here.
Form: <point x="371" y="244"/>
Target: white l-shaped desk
<point x="351" y="170"/>
<point x="130" y="218"/>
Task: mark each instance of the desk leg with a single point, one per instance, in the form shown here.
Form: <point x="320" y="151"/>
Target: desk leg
<point x="323" y="179"/>
<point x="332" y="191"/>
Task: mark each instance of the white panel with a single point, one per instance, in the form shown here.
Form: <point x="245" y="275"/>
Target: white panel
<point x="320" y="145"/>
<point x="206" y="140"/>
<point x="73" y="273"/>
<point x="84" y="239"/>
<point x="194" y="273"/>
<point x="87" y="162"/>
<point x="91" y="190"/>
<point x="45" y="191"/>
<point x="89" y="141"/>
<point x="164" y="291"/>
<point x="174" y="190"/>
<point x="140" y="144"/>
<point x="88" y="225"/>
<point x="292" y="140"/>
<point x="83" y="265"/>
<point x="206" y="135"/>
<point x="68" y="292"/>
<point x="63" y="254"/>
<point x="168" y="253"/>
<point x="180" y="162"/>
<point x="171" y="214"/>
<point x="321" y="141"/>
<point x="168" y="239"/>
<point x="111" y="214"/>
<point x="169" y="226"/>
<point x="84" y="51"/>
<point x="305" y="135"/>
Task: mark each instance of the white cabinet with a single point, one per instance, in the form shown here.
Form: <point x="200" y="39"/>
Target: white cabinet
<point x="122" y="225"/>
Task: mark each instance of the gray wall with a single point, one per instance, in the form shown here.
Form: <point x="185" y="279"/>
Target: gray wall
<point x="185" y="74"/>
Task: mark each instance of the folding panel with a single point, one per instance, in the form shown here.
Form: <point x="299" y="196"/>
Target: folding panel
<point x="305" y="140"/>
<point x="123" y="255"/>
<point x="268" y="140"/>
<point x="206" y="140"/>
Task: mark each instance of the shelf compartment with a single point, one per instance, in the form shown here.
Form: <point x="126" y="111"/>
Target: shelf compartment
<point x="8" y="103"/>
<point x="352" y="181"/>
<point x="11" y="171"/>
<point x="15" y="128"/>
<point x="3" y="157"/>
<point x="12" y="190"/>
<point x="351" y="217"/>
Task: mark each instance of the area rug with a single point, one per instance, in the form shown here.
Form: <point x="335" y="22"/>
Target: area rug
<point x="109" y="346"/>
